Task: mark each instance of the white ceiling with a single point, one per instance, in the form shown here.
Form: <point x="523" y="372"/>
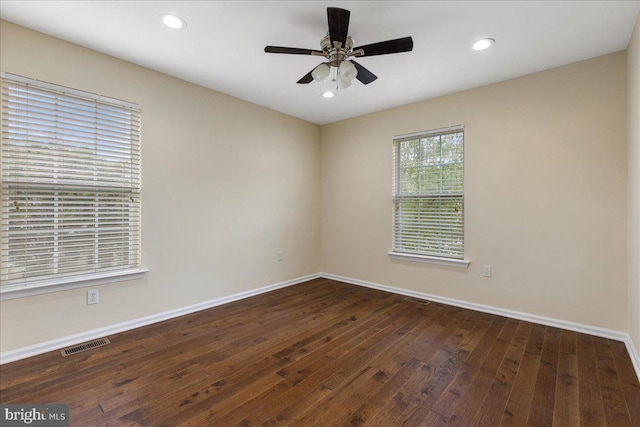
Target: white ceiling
<point x="223" y="44"/>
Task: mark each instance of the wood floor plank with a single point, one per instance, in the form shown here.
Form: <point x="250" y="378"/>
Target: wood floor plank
<point x="346" y="371"/>
<point x="545" y="387"/>
<point x="496" y="398"/>
<point x="590" y="406"/>
<point x="615" y="408"/>
<point x="466" y="412"/>
<point x="567" y="406"/>
<point x="354" y="362"/>
<point x="431" y="368"/>
<point x="518" y="408"/>
<point x="629" y="382"/>
<point x="327" y="353"/>
<point x="384" y="386"/>
<point x="446" y="405"/>
<point x="416" y="396"/>
<point x="259" y="360"/>
<point x="384" y="369"/>
<point x="307" y="380"/>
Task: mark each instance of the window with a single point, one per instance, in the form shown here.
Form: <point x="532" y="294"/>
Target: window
<point x="428" y="221"/>
<point x="70" y="185"/>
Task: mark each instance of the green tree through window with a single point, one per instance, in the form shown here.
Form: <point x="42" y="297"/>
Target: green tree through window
<point x="429" y="194"/>
<point x="70" y="183"/>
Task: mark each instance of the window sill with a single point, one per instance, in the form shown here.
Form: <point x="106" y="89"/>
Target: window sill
<point x="450" y="262"/>
<point x="65" y="283"/>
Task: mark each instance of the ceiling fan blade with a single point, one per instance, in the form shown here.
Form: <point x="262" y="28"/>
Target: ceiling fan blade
<point x="307" y="78"/>
<point x="404" y="44"/>
<point x="338" y="20"/>
<point x="365" y="76"/>
<point x="291" y="50"/>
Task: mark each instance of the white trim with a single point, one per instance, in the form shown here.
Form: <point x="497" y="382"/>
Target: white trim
<point x="427" y="133"/>
<point x="68" y="90"/>
<point x="633" y="355"/>
<point x="34" y="350"/>
<point x="548" y="321"/>
<point x="451" y="262"/>
<point x="65" y="283"/>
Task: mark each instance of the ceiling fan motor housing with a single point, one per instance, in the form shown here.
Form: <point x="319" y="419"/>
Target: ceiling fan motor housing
<point x="338" y="53"/>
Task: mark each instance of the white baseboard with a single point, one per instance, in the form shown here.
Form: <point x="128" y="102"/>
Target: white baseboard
<point x="547" y="321"/>
<point x="33" y="350"/>
<point x="633" y="354"/>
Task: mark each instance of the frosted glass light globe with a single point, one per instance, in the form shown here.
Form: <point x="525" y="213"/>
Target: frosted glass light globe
<point x="320" y="73"/>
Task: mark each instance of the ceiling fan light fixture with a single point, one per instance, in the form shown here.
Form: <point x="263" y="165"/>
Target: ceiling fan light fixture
<point x="173" y="21"/>
<point x="337" y="48"/>
<point x="343" y="83"/>
<point x="321" y="72"/>
<point x="348" y="72"/>
<point x="483" y="44"/>
<point x="328" y="94"/>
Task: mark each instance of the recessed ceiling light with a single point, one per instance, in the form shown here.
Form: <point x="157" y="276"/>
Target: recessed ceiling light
<point x="328" y="94"/>
<point x="483" y="44"/>
<point x="173" y="21"/>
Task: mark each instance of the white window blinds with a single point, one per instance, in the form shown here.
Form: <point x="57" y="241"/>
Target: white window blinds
<point x="70" y="183"/>
<point x="428" y="181"/>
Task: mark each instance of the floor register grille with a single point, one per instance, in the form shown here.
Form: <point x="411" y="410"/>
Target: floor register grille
<point x="84" y="347"/>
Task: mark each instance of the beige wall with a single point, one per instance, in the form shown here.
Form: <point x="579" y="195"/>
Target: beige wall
<point x="226" y="184"/>
<point x="633" y="72"/>
<point x="545" y="194"/>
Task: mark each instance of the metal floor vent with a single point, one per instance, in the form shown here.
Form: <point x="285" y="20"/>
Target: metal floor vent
<point x="83" y="347"/>
<point x="418" y="300"/>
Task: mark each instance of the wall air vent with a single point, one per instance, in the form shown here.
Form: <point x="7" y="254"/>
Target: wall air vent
<point x="417" y="300"/>
<point x="83" y="347"/>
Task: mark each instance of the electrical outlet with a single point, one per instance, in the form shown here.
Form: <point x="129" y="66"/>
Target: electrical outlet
<point x="93" y="297"/>
<point x="279" y="256"/>
<point x="486" y="271"/>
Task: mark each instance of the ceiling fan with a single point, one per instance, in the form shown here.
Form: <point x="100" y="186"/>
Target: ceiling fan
<point x="337" y="48"/>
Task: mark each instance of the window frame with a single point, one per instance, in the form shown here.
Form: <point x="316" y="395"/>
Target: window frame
<point x="402" y="253"/>
<point x="96" y="197"/>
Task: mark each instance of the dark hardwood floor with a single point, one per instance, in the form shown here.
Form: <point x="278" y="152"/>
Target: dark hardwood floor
<point x="324" y="353"/>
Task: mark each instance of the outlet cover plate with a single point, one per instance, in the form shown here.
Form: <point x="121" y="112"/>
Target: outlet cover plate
<point x="486" y="271"/>
<point x="93" y="297"/>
